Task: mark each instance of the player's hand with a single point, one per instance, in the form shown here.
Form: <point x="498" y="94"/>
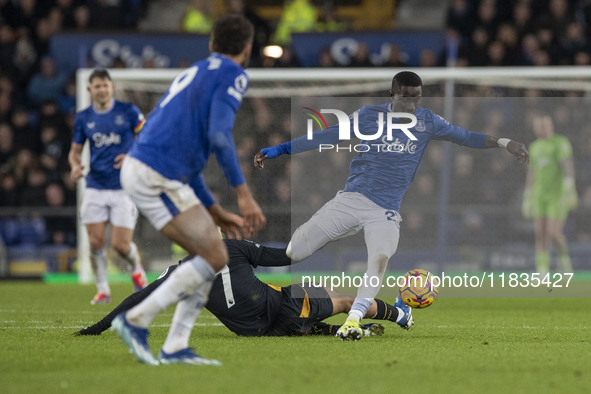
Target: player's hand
<point x="264" y="154"/>
<point x="230" y="223"/>
<point x="519" y="151"/>
<point x="259" y="158"/>
<point x="76" y="173"/>
<point x="254" y="220"/>
<point x="119" y="161"/>
<point x="569" y="195"/>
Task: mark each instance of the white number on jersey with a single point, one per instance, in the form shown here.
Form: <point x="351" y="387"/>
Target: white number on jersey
<point x="179" y="83"/>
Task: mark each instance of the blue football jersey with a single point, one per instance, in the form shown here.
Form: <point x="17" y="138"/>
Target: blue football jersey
<point x="109" y="133"/>
<point x="386" y="167"/>
<point x="193" y="119"/>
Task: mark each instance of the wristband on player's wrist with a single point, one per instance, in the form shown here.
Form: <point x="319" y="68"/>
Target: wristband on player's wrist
<point x="569" y="181"/>
<point x="503" y="142"/>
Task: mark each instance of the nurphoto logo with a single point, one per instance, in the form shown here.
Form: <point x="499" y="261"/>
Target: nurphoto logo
<point x="345" y="124"/>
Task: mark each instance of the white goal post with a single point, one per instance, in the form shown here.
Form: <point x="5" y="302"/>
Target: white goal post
<point x="327" y="82"/>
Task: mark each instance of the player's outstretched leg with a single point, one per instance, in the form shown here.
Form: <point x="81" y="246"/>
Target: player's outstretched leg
<point x="136" y="339"/>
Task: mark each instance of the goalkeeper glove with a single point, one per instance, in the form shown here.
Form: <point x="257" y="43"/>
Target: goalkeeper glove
<point x="527" y="206"/>
<point x="569" y="194"/>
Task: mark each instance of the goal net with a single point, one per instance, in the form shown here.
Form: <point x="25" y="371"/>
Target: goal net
<point x="462" y="210"/>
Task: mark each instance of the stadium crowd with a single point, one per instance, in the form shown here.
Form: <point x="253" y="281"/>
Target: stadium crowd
<point x="37" y="104"/>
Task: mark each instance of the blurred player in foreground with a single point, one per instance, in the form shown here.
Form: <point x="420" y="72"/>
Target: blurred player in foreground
<point x="249" y="307"/>
<point x="378" y="179"/>
<point x="162" y="175"/>
<point x="550" y="192"/>
<point x="110" y="127"/>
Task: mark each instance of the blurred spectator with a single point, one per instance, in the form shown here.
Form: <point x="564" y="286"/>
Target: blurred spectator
<point x="24" y="60"/>
<point x="477" y="49"/>
<point x="67" y="103"/>
<point x="25" y="136"/>
<point x="33" y="192"/>
<point x="59" y="230"/>
<point x="9" y="194"/>
<point x="42" y="36"/>
<point x="299" y="16"/>
<point x="81" y="18"/>
<point x="287" y="59"/>
<point x="508" y="36"/>
<point x="197" y="18"/>
<point x="361" y="56"/>
<point x="55" y="20"/>
<point x="396" y="58"/>
<point x="48" y="84"/>
<point x="53" y="156"/>
<point x="522" y="18"/>
<point x="24" y="13"/>
<point x="66" y="8"/>
<point x="496" y="54"/>
<point x="262" y="31"/>
<point x="325" y="58"/>
<point x="328" y="20"/>
<point x="530" y="47"/>
<point x="7" y="148"/>
<point x="21" y="165"/>
<point x="427" y="58"/>
<point x="574" y="41"/>
<point x="5" y="106"/>
<point x="105" y="14"/>
<point x="582" y="59"/>
<point x="7" y="47"/>
<point x="459" y="17"/>
<point x="487" y="17"/>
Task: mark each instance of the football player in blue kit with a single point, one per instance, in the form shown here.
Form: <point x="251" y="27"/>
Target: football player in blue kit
<point x="162" y="175"/>
<point x="377" y="181"/>
<point x="110" y="126"/>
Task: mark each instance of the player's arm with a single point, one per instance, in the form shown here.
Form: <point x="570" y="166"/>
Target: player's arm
<point x="298" y="145"/>
<point x="257" y="254"/>
<point x="565" y="155"/>
<point x="443" y="130"/>
<point x="229" y="223"/>
<point x="223" y="109"/>
<point x="137" y="121"/>
<point x="75" y="154"/>
<point x="75" y="160"/>
<point x="527" y="203"/>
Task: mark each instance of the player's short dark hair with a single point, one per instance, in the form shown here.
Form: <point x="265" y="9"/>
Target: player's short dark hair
<point x="406" y="78"/>
<point x="231" y="34"/>
<point x="99" y="73"/>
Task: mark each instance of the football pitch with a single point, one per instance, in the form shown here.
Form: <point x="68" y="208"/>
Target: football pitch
<point x="456" y="346"/>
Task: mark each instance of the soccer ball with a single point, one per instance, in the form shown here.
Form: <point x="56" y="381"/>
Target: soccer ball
<point x="417" y="291"/>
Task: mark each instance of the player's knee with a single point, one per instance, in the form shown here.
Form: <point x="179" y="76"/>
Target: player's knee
<point x="379" y="263"/>
<point x="216" y="256"/>
<point x="96" y="242"/>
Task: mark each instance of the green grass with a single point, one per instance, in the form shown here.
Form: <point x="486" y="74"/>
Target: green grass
<point x="457" y="345"/>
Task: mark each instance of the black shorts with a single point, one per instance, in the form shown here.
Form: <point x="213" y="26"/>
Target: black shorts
<point x="301" y="307"/>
